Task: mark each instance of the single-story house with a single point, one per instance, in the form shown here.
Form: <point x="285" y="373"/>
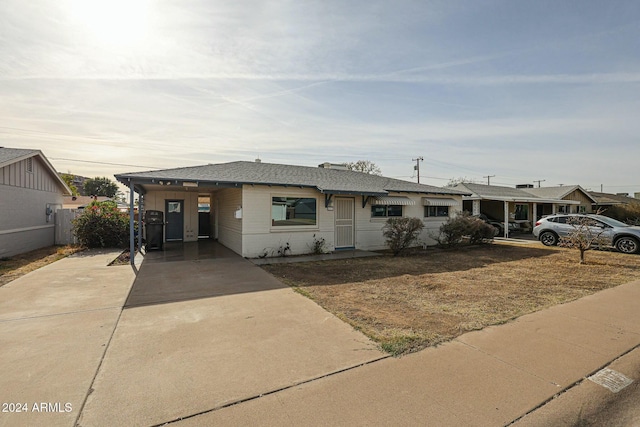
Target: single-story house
<point x="572" y="193"/>
<point x="31" y="191"/>
<point x="80" y="202"/>
<point x="257" y="209"/>
<point x="510" y="204"/>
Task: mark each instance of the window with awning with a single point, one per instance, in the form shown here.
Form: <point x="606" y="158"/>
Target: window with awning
<point x="393" y="200"/>
<point x="439" y="201"/>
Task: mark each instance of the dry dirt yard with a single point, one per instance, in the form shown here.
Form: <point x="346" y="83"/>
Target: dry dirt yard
<point x="407" y="303"/>
<point x="13" y="267"/>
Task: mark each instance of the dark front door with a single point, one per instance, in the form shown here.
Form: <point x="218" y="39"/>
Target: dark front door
<point x="174" y="219"/>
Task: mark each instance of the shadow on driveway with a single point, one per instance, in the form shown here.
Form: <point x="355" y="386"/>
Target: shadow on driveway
<point x="188" y="271"/>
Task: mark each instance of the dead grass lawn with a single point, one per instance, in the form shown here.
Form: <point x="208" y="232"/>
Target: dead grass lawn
<point x="409" y="303"/>
<point x="19" y="265"/>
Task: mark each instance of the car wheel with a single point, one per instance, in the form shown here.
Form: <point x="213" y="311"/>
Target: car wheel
<point x="627" y="245"/>
<point x="549" y="238"/>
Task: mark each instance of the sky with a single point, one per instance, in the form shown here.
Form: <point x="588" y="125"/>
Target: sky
<point x="521" y="91"/>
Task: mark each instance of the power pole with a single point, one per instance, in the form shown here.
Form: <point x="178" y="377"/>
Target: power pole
<point x="539" y="181"/>
<point x="417" y="166"/>
<point x="489" y="178"/>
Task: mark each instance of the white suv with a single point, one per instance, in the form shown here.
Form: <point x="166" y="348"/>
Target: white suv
<point x="623" y="237"/>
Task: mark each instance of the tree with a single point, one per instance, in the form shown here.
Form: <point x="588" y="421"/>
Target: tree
<point x="100" y="186"/>
<point x="365" y="166"/>
<point x="586" y="234"/>
<point x="68" y="179"/>
<point x="401" y="233"/>
<point x="460" y="180"/>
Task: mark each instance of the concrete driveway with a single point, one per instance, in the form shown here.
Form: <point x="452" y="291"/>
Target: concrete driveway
<point x="55" y="325"/>
<point x="202" y="329"/>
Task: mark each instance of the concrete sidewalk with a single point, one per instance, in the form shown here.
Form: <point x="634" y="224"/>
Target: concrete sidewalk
<point x="486" y="378"/>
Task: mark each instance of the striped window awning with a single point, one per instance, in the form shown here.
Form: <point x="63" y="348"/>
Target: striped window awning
<point x="439" y="201"/>
<point x="391" y="200"/>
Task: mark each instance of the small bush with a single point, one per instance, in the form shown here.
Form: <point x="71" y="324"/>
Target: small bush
<point x="480" y="232"/>
<point x="455" y="229"/>
<point x="318" y="246"/>
<point x="102" y="225"/>
<point x="401" y="233"/>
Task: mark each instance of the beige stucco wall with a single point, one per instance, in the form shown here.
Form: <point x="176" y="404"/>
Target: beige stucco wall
<point x="260" y="237"/>
<point x="224" y="204"/>
<point x="155" y="200"/>
<point x="253" y="234"/>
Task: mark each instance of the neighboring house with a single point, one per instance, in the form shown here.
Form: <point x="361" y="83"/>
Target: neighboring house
<point x="30" y="193"/>
<point x="509" y="204"/>
<point x="572" y="193"/>
<point x="80" y="202"/>
<point x="258" y="208"/>
<point x="607" y="200"/>
<point x="78" y="182"/>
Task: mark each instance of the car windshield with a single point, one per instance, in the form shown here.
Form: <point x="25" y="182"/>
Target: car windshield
<point x="612" y="222"/>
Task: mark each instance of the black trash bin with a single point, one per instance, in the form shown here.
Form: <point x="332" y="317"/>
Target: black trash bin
<point x="154" y="229"/>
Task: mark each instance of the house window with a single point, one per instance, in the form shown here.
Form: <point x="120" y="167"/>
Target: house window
<point x="436" y="211"/>
<point x="563" y="209"/>
<point x="582" y="209"/>
<point x="174" y="207"/>
<point x="522" y="212"/>
<point x="293" y="211"/>
<point x="384" y="211"/>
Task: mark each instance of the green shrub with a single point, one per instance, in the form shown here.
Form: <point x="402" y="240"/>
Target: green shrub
<point x="401" y="233"/>
<point x="453" y="231"/>
<point x="102" y="225"/>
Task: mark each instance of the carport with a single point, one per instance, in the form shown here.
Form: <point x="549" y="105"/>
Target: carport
<point x="193" y="270"/>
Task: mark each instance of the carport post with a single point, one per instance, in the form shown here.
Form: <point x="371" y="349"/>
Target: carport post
<point x="132" y="240"/>
<point x="140" y="212"/>
<point x="506" y="219"/>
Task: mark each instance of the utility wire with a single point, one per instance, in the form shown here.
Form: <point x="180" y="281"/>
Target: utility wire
<point x="103" y="163"/>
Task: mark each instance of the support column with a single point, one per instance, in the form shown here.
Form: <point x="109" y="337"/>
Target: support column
<point x="535" y="215"/>
<point x="475" y="207"/>
<point x="140" y="216"/>
<point x="132" y="243"/>
<point x="506" y="219"/>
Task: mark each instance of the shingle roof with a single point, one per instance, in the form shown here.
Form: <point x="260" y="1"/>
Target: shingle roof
<point x="557" y="192"/>
<point x="612" y="199"/>
<point x="494" y="191"/>
<point x="9" y="155"/>
<point x="325" y="180"/>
